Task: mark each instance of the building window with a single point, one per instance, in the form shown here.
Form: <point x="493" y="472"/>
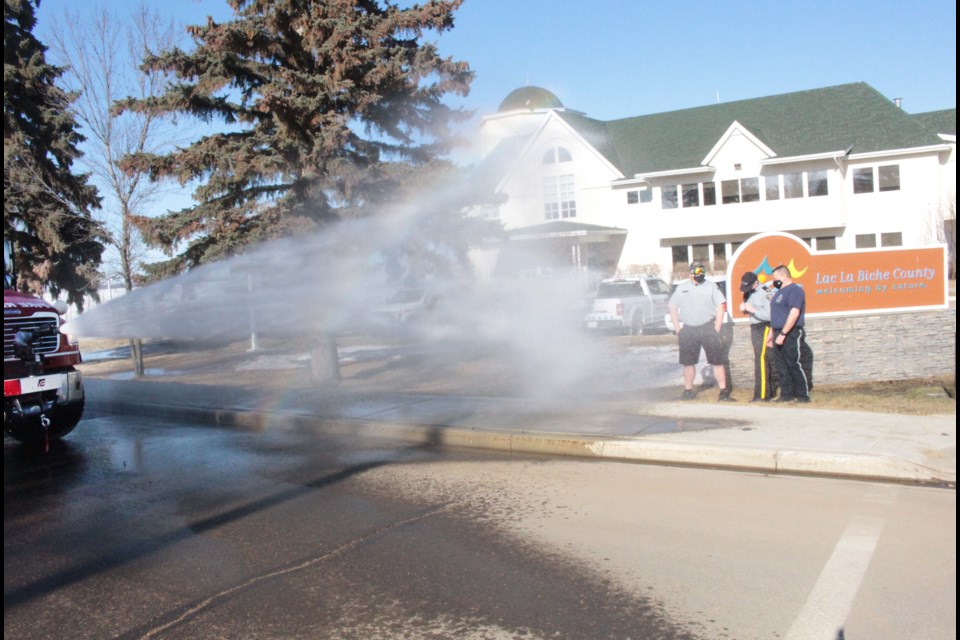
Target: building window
<point x="686" y="254"/>
<point x="771" y="185"/>
<point x="889" y="177"/>
<point x="559" y="198"/>
<point x="709" y="193"/>
<point x="720" y="256"/>
<point x="826" y="243"/>
<point x="743" y="190"/>
<point x="730" y="191"/>
<point x="866" y="240"/>
<point x="668" y="197"/>
<point x="640" y="196"/>
<point x="750" y="190"/>
<point x="557" y="154"/>
<point x="691" y="195"/>
<point x="891" y="239"/>
<point x="551" y="198"/>
<point x="817" y="183"/>
<point x="793" y="185"/>
<point x="863" y="180"/>
<point x="568" y="201"/>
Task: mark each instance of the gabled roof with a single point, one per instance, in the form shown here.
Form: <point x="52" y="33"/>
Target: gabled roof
<point x="803" y="123"/>
<point x="944" y="121"/>
<point x="595" y="132"/>
<point x="494" y="167"/>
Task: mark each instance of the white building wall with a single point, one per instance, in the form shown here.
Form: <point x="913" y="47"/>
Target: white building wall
<point x="948" y="180"/>
<point x="738" y="149"/>
<point x="592" y="176"/>
<point x="926" y="182"/>
<point x="909" y="211"/>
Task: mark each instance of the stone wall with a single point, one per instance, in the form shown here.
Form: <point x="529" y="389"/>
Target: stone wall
<point x="888" y="346"/>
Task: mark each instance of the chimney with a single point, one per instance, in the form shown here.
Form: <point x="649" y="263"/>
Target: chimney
<point x="898" y="102"/>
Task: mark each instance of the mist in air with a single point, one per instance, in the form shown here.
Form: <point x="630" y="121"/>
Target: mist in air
<point x="340" y="281"/>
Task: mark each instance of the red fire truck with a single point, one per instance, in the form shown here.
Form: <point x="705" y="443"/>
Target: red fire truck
<point x="42" y="390"/>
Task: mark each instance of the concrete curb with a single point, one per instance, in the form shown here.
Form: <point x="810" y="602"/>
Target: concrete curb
<point x="641" y="449"/>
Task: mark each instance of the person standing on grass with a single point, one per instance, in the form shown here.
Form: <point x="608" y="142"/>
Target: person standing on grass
<point x="700" y="306"/>
<point x="757" y="305"/>
<point x="787" y="317"/>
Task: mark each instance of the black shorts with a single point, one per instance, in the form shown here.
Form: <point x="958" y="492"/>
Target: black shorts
<point x="691" y="340"/>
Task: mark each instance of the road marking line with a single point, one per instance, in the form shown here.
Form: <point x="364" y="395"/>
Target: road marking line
<point x="827" y="606"/>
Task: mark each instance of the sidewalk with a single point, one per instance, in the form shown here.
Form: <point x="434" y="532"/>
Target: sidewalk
<point x="791" y="440"/>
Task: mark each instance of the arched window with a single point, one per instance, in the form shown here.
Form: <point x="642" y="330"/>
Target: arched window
<point x="557" y="154"/>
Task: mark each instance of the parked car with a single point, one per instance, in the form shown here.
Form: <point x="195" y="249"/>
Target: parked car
<point x="406" y="306"/>
<point x="631" y="305"/>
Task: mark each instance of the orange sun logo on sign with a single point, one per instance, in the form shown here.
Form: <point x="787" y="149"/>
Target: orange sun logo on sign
<point x="764" y="270"/>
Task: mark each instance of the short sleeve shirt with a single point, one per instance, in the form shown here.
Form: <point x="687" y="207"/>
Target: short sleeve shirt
<point x="790" y="297"/>
<point x="697" y="303"/>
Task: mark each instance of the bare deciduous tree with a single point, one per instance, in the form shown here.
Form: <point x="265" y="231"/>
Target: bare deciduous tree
<point x="101" y="53"/>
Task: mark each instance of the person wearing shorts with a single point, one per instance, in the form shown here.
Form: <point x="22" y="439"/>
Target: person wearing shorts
<point x="698" y="307"/>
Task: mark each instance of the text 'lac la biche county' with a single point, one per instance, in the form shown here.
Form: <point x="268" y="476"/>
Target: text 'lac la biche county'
<point x="873" y="280"/>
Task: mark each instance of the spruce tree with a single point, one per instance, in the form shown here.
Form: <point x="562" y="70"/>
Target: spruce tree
<point x="46" y="207"/>
<point x="318" y="96"/>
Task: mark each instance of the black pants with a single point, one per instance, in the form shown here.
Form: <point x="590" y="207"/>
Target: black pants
<point x="806" y="361"/>
<point x="793" y="380"/>
<point x="764" y="385"/>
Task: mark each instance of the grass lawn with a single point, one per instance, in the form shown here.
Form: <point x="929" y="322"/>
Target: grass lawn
<point x="918" y="397"/>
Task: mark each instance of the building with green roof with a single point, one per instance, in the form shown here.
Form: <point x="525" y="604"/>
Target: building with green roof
<point x="843" y="167"/>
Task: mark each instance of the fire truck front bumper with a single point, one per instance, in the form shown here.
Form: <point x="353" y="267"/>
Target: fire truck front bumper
<point x="33" y="398"/>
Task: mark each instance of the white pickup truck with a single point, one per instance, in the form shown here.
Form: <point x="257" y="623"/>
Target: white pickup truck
<point x="632" y="305"/>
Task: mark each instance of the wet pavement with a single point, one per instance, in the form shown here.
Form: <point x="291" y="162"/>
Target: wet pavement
<point x="795" y="440"/>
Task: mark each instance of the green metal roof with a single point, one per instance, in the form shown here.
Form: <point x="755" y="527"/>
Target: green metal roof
<point x="530" y="98"/>
<point x="791" y="124"/>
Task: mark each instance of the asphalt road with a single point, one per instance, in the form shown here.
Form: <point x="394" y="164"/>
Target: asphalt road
<point x="151" y="529"/>
<point x="135" y="528"/>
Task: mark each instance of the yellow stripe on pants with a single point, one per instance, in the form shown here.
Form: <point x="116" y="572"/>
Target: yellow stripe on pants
<point x="763" y="363"/>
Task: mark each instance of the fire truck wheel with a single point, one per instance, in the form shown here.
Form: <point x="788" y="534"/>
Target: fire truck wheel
<point x="63" y="419"/>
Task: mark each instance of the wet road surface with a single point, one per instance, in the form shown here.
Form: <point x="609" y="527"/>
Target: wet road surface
<point x="136" y="528"/>
<point x="146" y="528"/>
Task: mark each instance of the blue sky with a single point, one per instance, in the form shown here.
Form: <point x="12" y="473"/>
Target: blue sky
<point x="621" y="58"/>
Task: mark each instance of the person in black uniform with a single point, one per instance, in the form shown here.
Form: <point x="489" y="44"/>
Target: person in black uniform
<point x="787" y="319"/>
